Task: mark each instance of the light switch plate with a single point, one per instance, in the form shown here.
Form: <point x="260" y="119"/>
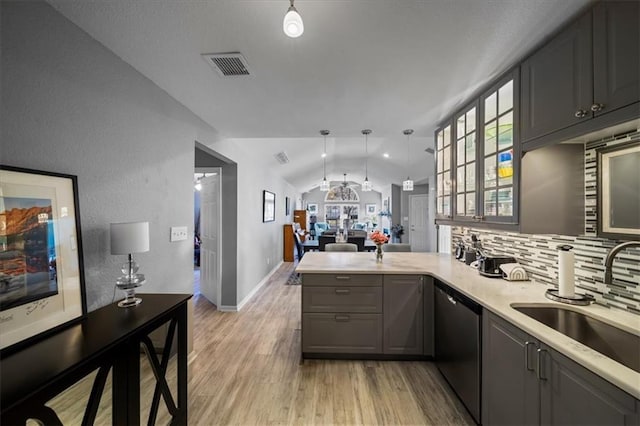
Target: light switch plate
<point x="178" y="233"/>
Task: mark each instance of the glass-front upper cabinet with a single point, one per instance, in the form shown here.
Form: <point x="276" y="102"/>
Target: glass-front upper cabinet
<point x="443" y="172"/>
<point x="466" y="136"/>
<point x="478" y="158"/>
<point x="499" y="158"/>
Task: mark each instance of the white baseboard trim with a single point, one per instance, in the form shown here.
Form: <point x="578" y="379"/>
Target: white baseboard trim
<point x="236" y="308"/>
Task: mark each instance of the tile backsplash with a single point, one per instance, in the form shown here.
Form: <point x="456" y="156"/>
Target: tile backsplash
<point x="538" y="254"/>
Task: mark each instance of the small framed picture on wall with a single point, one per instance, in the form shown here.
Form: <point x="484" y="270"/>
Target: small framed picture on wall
<point x="268" y="206"/>
<point x="370" y="209"/>
<point x="286" y="206"/>
<point x="312" y="208"/>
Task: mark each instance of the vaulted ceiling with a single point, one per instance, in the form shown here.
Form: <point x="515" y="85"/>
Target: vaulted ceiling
<point x="386" y="65"/>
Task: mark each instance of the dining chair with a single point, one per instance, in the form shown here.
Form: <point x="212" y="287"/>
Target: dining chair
<point x="324" y="240"/>
<point x="358" y="241"/>
<point x="341" y="247"/>
<point x="397" y="247"/>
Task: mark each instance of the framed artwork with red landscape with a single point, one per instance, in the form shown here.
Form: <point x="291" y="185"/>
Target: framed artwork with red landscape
<point x="41" y="268"/>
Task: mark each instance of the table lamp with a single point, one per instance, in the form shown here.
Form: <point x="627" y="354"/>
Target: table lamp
<point x="129" y="238"/>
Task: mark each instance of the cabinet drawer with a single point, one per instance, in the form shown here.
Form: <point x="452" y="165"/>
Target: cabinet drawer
<point x="342" y="333"/>
<point x="342" y="299"/>
<point x="360" y="280"/>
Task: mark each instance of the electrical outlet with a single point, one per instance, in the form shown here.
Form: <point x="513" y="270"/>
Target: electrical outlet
<point x="178" y="233"/>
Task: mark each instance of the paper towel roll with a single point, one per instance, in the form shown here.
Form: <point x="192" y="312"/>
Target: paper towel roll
<point x="566" y="274"/>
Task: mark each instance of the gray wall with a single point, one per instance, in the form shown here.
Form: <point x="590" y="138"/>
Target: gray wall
<point x="259" y="245"/>
<point x="70" y="105"/>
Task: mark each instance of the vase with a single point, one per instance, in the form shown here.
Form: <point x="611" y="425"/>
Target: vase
<point x="379" y="253"/>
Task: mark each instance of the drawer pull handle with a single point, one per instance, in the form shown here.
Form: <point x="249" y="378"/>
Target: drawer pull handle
<point x="526" y="355"/>
<point x="597" y="107"/>
<point x="342" y="318"/>
<point x="343" y="277"/>
<point x="342" y="291"/>
<point x="452" y="300"/>
<point x="539" y="365"/>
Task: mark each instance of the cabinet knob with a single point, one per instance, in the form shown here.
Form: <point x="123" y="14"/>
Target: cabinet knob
<point x="581" y="113"/>
<point x="597" y="107"/>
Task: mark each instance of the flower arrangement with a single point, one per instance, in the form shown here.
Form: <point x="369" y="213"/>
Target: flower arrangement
<point x="378" y="237"/>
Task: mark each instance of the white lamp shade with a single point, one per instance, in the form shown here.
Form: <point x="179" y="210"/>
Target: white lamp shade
<point x="292" y="24"/>
<point x="407" y="185"/>
<point x="130" y="237"/>
<point x="366" y="185"/>
<point x="324" y="185"/>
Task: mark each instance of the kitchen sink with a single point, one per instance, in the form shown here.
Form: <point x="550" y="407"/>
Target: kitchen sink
<point x="613" y="342"/>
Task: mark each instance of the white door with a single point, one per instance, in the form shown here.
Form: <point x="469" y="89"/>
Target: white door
<point x="210" y="238"/>
<point x="418" y="214"/>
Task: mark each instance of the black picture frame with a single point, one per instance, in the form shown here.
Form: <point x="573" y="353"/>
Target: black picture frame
<point x="287" y="212"/>
<point x="268" y="206"/>
<point x="47" y="203"/>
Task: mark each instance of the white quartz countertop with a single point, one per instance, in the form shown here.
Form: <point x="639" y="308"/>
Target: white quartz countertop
<point x="497" y="295"/>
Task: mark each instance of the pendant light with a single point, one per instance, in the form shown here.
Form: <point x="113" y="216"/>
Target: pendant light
<point x="292" y="24"/>
<point x="324" y="185"/>
<point x="407" y="185"/>
<point x="366" y="185"/>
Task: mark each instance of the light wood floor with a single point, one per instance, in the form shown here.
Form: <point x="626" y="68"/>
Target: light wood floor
<point x="245" y="370"/>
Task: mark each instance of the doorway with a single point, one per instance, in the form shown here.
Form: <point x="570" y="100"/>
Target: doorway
<point x="222" y="229"/>
<point x="207" y="201"/>
<point x="418" y="229"/>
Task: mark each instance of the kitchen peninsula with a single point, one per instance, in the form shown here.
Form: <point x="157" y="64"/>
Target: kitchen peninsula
<point x="362" y="283"/>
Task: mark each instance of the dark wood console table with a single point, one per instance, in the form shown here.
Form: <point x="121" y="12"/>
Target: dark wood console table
<point x="108" y="338"/>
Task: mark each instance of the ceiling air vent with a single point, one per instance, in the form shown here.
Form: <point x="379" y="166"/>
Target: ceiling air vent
<point x="282" y="157"/>
<point x="227" y="64"/>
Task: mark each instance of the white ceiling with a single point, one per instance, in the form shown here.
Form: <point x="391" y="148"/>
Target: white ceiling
<point x="386" y="65"/>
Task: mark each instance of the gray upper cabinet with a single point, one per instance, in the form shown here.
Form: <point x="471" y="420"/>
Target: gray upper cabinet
<point x="478" y="158"/>
<point x="616" y="55"/>
<point x="584" y="79"/>
<point x="557" y="82"/>
<point x="403" y="314"/>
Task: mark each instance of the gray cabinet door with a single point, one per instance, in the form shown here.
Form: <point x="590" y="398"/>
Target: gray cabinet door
<point x="403" y="309"/>
<point x="342" y="333"/>
<point x="616" y="55"/>
<point x="572" y="395"/>
<point x="429" y="315"/>
<point x="557" y="82"/>
<point x="509" y="383"/>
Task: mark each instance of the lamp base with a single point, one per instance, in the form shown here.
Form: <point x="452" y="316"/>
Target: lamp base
<point x="130" y="298"/>
<point x="126" y="303"/>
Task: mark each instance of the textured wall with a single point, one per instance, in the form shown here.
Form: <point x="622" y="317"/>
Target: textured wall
<point x="538" y="253"/>
<point x="69" y="105"/>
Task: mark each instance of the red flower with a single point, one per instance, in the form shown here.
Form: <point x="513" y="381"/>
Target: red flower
<point x="378" y="237"/>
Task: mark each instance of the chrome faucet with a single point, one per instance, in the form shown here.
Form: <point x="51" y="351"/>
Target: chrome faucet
<point x="608" y="262"/>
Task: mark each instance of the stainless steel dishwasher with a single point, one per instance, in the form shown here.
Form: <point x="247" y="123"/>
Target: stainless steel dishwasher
<point x="458" y="323"/>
